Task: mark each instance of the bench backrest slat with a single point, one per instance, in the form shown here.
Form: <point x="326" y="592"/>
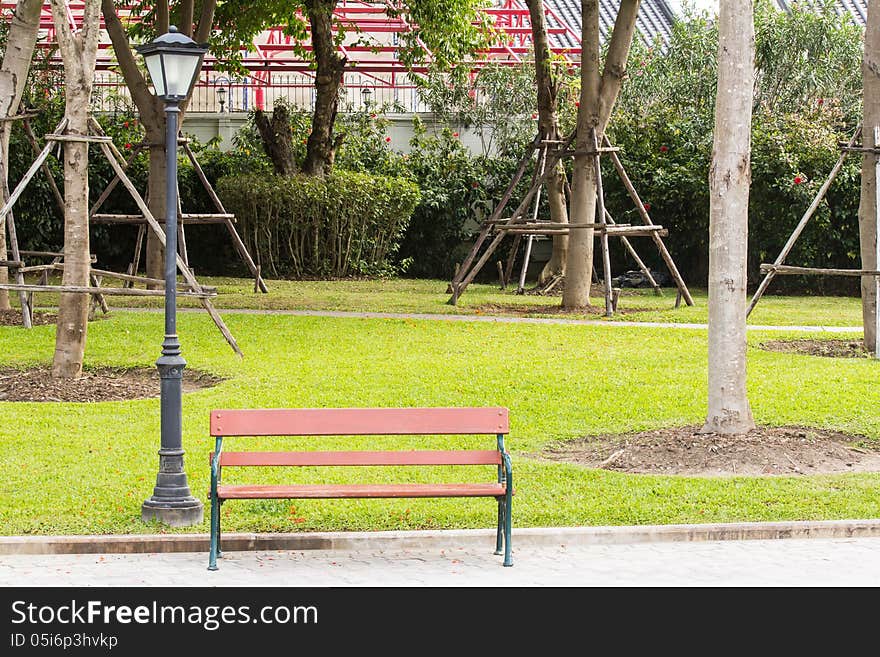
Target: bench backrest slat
<point x="358" y="421"/>
<point x="402" y="457"/>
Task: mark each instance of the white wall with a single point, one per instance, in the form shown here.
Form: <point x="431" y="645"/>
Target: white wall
<point x="205" y="126"/>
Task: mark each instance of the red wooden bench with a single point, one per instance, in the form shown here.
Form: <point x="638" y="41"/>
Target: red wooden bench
<point x="362" y="422"/>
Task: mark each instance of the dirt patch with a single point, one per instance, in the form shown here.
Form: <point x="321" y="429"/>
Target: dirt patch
<point x="788" y="451"/>
<point x="829" y="348"/>
<point x="13" y="318"/>
<point x="100" y="384"/>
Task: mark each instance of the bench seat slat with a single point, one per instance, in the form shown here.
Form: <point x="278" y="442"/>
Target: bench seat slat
<point x="358" y="421"/>
<point x="401" y="457"/>
<point x="315" y="491"/>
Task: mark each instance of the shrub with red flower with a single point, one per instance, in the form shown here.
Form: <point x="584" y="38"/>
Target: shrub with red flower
<point x="455" y="134"/>
<point x="798" y="179"/>
<point x="387" y="139"/>
<point x="647" y="206"/>
<point x="664" y="149"/>
<point x="128" y="146"/>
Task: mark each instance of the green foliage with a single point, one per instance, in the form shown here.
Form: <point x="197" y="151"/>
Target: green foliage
<point x="458" y="191"/>
<point x="807" y="99"/>
<point x="302" y="226"/>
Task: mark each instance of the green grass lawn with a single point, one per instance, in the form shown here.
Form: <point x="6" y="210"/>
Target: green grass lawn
<point x="86" y="468"/>
<point x="429" y="296"/>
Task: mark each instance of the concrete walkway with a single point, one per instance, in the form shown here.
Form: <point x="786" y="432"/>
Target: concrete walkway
<point x="502" y="319"/>
<point x="833" y="553"/>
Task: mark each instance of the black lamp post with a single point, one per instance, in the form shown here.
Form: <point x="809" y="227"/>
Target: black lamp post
<point x="365" y="97"/>
<point x="173" y="61"/>
<point x="221" y="97"/>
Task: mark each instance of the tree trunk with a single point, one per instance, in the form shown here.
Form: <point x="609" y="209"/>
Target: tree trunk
<point x="322" y="145"/>
<point x="598" y="95"/>
<point x="150" y="109"/>
<point x="20" y="42"/>
<point x="155" y="252"/>
<point x="729" y="179"/>
<point x="78" y="52"/>
<point x="276" y="136"/>
<point x="868" y="200"/>
<point x="548" y="122"/>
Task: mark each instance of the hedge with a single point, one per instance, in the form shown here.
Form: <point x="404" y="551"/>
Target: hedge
<point x="300" y="226"/>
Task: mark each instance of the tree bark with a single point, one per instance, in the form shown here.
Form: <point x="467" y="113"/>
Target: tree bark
<point x="276" y="137"/>
<point x="20" y="42"/>
<point x="598" y="94"/>
<point x="729" y="179"/>
<point x="330" y="66"/>
<point x="78" y="51"/>
<point x="868" y="199"/>
<point x="548" y="124"/>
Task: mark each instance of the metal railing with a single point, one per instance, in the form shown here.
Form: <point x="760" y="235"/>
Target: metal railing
<point x="229" y="94"/>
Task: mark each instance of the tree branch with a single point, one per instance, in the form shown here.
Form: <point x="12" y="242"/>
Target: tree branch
<point x="162" y="20"/>
<point x="140" y="92"/>
<point x="65" y="34"/>
<point x="590" y="79"/>
<point x="615" y="61"/>
<point x="206" y="21"/>
<point x="91" y="32"/>
<point x="186" y="17"/>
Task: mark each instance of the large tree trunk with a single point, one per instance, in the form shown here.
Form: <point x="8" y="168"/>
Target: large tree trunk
<point x="868" y="201"/>
<point x="150" y="109"/>
<point x="20" y="42"/>
<point x="598" y="95"/>
<point x="729" y="179"/>
<point x="548" y="122"/>
<point x="277" y="142"/>
<point x="79" y="52"/>
<point x="330" y="66"/>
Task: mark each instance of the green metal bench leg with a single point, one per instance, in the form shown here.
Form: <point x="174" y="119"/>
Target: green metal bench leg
<point x="215" y="531"/>
<point x="508" y="561"/>
<point x="219" y="531"/>
<point x="499" y="534"/>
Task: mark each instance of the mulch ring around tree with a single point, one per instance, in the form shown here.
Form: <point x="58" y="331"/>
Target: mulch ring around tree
<point x="13" y="318"/>
<point x="99" y="384"/>
<point x="764" y="451"/>
<point x="830" y="348"/>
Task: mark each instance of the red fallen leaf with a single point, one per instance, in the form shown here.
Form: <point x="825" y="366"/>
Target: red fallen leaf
<point x="300" y="519"/>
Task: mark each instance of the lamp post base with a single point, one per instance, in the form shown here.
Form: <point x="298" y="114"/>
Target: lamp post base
<point x="174" y="513"/>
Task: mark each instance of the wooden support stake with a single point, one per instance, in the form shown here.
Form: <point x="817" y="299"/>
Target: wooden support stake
<point x="501" y="280"/>
<point x="876" y="244"/>
<point x="640" y="208"/>
<point x="35" y="147"/>
<point x="112" y="291"/>
<point x="136" y="258"/>
<point x="631" y="250"/>
<point x="796" y="233"/>
<point x="218" y="205"/>
<point x="603" y="237"/>
<point x="454" y="286"/>
<point x="160" y="235"/>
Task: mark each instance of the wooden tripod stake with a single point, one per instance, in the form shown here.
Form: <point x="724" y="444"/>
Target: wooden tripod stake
<point x="192" y="287"/>
<point x="518" y="225"/>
